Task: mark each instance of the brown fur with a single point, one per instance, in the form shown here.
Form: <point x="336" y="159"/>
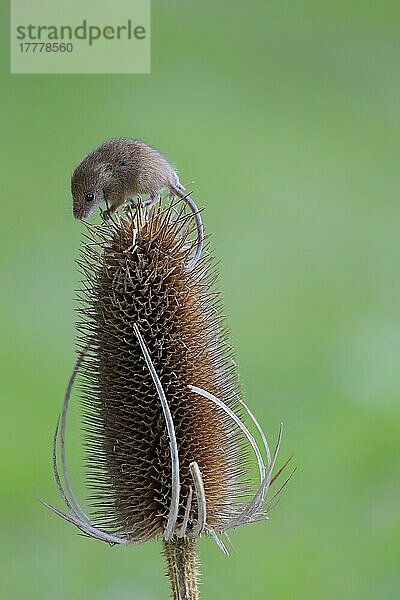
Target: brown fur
<point x="119" y="169"/>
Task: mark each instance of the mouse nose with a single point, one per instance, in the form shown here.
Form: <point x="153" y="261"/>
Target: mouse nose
<point x="77" y="212"/>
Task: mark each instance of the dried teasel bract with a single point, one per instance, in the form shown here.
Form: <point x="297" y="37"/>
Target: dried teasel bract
<point x="168" y="439"/>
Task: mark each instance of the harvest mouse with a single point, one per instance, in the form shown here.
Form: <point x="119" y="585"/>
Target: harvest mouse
<point x="120" y="169"/>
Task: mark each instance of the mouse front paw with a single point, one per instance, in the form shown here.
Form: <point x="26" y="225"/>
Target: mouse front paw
<point x="105" y="214"/>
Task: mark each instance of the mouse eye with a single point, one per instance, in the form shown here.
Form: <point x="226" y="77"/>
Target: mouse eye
<point x="89" y="197"/>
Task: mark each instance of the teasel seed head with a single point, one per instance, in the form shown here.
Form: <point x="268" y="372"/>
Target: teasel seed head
<point x="167" y="445"/>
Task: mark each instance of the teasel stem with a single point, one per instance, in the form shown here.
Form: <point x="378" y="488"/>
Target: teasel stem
<point x="182" y="568"/>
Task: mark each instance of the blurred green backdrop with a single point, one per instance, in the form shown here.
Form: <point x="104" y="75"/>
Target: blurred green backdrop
<point x="286" y="114"/>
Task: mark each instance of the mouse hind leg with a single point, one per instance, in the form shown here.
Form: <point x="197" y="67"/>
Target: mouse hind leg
<point x="152" y="199"/>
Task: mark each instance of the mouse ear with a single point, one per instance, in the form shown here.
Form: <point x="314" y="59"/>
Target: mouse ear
<point x="107" y="169"/>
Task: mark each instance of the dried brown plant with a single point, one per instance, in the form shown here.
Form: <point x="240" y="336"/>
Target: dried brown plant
<point x="167" y="445"/>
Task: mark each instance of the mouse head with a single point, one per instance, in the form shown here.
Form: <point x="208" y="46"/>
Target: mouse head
<point x="88" y="185"/>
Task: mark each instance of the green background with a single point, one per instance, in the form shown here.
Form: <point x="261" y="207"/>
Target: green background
<point x="286" y="114"/>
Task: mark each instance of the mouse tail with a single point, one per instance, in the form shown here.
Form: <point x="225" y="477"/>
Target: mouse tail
<point x="180" y="193"/>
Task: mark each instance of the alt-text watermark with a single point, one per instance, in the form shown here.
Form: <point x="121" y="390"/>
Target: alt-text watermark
<point x="77" y="36"/>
